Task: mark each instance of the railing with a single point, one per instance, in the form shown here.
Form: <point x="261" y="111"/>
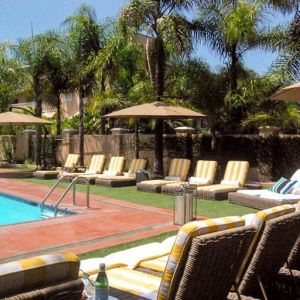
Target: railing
<point x="72" y="184"/>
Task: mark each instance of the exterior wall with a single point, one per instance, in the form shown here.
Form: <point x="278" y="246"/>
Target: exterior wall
<point x="271" y="157"/>
<point x="69" y="104"/>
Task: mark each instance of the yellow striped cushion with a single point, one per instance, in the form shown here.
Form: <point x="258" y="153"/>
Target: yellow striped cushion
<point x="218" y="188"/>
<point x="31" y="273"/>
<point x="179" y="168"/>
<point x="264" y="215"/>
<point x="72" y="160"/>
<point x="206" y="169"/>
<point x="117" y="164"/>
<point x="134" y="282"/>
<point x="136" y="165"/>
<point x="236" y="171"/>
<point x="97" y="164"/>
<point x="157" y="264"/>
<point x="182" y="243"/>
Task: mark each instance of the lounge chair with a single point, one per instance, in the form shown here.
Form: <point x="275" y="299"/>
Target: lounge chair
<point x="70" y="164"/>
<point x="234" y="178"/>
<point x="131" y="258"/>
<point x="197" y="268"/>
<point x="178" y="173"/>
<point x="204" y="175"/>
<point x="53" y="276"/>
<point x="115" y="168"/>
<point x="262" y="199"/>
<point x="96" y="167"/>
<point x="278" y="229"/>
<point x="126" y="179"/>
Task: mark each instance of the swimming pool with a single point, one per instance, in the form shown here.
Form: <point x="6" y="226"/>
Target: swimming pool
<point x="16" y="210"/>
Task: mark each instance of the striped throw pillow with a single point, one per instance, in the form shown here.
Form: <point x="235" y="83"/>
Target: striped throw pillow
<point x="283" y="186"/>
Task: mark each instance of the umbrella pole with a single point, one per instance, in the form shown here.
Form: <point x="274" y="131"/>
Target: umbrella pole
<point x="137" y="139"/>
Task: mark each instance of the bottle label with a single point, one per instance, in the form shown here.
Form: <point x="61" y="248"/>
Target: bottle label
<point x="101" y="293"/>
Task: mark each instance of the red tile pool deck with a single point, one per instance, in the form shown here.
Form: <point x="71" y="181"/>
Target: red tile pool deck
<point x="107" y="223"/>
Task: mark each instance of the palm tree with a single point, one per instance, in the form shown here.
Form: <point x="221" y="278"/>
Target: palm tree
<point x="289" y="59"/>
<point x="84" y="42"/>
<point x="31" y="54"/>
<point x="232" y="28"/>
<point x="166" y="22"/>
<point x="58" y="65"/>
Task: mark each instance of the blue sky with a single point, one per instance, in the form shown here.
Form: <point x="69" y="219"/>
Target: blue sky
<point x="16" y="17"/>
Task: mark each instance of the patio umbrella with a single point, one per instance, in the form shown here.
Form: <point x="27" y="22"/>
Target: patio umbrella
<point x="154" y="110"/>
<point x="289" y="93"/>
<point x="157" y="110"/>
<point x="12" y="118"/>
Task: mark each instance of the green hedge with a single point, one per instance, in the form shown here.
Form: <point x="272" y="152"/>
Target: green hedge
<point x="273" y="156"/>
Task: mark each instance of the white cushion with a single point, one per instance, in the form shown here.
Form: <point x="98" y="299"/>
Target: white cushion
<point x="127" y="174"/>
<point x="251" y="192"/>
<point x="111" y="173"/>
<point x="296" y="175"/>
<point x="248" y="218"/>
<point x="172" y="178"/>
<point x="200" y="180"/>
<point x="230" y="182"/>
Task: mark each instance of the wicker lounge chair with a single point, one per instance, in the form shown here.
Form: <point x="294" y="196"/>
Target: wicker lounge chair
<point x="45" y="277"/>
<point x="262" y="199"/>
<point x="178" y="173"/>
<point x="70" y="164"/>
<point x="234" y="178"/>
<point x="198" y="266"/>
<point x="96" y="167"/>
<point x="127" y="179"/>
<point x="204" y="175"/>
<point x="278" y="229"/>
<point x="115" y="168"/>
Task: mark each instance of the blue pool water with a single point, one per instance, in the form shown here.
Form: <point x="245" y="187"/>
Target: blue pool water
<point x="16" y="210"/>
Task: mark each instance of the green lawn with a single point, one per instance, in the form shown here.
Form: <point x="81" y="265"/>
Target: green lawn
<point x="18" y="169"/>
<point x="207" y="208"/>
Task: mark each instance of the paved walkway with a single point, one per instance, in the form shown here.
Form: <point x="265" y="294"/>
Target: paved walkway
<point x="108" y="222"/>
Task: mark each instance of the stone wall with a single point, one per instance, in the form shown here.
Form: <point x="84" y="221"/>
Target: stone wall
<point x="272" y="156"/>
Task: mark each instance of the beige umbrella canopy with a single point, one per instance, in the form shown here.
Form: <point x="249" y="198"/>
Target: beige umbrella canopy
<point x="155" y="110"/>
<point x="12" y="118"/>
<point x="289" y="93"/>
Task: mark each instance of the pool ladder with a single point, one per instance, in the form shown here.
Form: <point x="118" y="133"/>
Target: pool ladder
<point x="72" y="184"/>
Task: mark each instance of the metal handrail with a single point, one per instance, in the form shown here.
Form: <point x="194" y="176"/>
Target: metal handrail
<point x="73" y="184"/>
<point x="53" y="188"/>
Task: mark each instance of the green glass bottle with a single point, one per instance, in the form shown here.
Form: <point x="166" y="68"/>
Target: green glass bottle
<point x="101" y="284"/>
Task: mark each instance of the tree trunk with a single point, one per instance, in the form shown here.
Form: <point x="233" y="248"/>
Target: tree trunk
<point x="38" y="148"/>
<point x="136" y="140"/>
<point x="233" y="70"/>
<point x="159" y="91"/>
<point x="58" y="114"/>
<point x="103" y="121"/>
<point x="213" y="135"/>
<point x="81" y="128"/>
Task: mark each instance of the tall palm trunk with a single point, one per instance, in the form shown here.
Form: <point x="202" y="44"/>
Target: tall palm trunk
<point x="233" y="70"/>
<point x="159" y="91"/>
<point x="81" y="128"/>
<point x="38" y="136"/>
<point x="58" y="114"/>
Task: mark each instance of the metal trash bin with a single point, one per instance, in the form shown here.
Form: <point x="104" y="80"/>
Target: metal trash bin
<point x="184" y="205"/>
